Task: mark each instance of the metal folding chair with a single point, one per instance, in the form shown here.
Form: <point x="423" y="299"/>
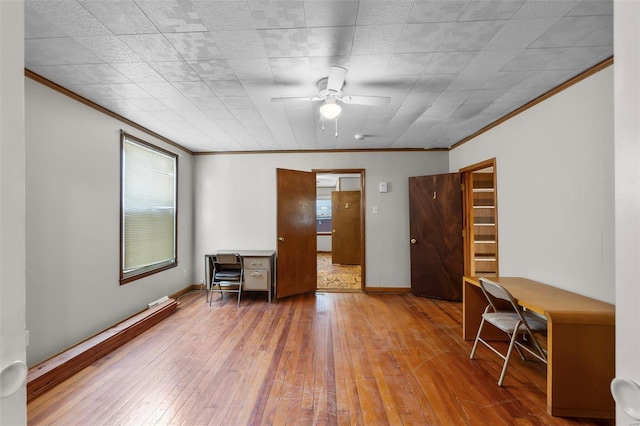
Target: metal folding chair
<point x="226" y="273"/>
<point x="504" y="313"/>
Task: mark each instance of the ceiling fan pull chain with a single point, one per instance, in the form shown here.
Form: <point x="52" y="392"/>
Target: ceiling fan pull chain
<point x="336" y="127"/>
<point x="322" y="122"/>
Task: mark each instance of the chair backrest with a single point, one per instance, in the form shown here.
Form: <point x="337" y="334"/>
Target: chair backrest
<point x="227" y="259"/>
<point x="498" y="297"/>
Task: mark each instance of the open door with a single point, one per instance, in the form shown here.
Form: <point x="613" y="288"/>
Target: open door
<point x="345" y="238"/>
<point x="296" y="228"/>
<point x="435" y="222"/>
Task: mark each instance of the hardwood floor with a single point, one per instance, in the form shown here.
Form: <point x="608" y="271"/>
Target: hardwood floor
<point x="324" y="358"/>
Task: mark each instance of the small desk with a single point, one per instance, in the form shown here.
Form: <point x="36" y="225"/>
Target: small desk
<point x="259" y="269"/>
<point x="580" y="339"/>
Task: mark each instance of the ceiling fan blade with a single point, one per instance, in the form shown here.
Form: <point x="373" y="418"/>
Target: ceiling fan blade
<point x="295" y="99"/>
<point x="336" y="78"/>
<point x="366" y="100"/>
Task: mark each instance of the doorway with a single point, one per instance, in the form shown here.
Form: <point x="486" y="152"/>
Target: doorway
<point x="340" y="230"/>
<point x="480" y="208"/>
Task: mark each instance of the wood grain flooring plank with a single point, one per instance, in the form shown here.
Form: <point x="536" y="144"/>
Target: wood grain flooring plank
<point x="178" y="373"/>
<point x="346" y="386"/>
<point x="226" y="367"/>
<point x="266" y="387"/>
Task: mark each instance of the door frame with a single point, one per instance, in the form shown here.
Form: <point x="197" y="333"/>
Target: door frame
<point x="363" y="210"/>
<point x="467" y="208"/>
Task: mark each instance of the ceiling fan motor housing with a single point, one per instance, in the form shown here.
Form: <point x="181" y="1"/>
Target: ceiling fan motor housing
<point x="324" y="93"/>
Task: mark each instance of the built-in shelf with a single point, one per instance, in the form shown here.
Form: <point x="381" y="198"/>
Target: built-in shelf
<point x="485" y="273"/>
<point x="483" y="219"/>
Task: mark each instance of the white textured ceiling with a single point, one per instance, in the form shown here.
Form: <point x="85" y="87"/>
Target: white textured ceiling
<point x="202" y="72"/>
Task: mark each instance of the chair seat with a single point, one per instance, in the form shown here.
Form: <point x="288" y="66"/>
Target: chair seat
<point x="506" y="321"/>
<point x="227" y="275"/>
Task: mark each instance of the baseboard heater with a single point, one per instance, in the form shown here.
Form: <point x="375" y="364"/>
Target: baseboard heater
<point x="51" y="372"/>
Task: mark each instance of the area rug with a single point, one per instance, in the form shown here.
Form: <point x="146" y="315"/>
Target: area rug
<point x="332" y="277"/>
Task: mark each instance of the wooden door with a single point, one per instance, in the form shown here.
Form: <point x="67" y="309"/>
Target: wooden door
<point x="296" y="223"/>
<point x="435" y="222"/>
<point x="345" y="235"/>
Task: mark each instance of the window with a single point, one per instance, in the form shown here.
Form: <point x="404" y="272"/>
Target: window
<point x="323" y="216"/>
<point x="323" y="209"/>
<point x="148" y="209"/>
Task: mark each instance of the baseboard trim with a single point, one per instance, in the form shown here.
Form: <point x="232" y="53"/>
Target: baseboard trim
<point x="53" y="371"/>
<point x="193" y="287"/>
<point x="388" y="290"/>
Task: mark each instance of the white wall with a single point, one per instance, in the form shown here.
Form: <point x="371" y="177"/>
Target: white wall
<point x="12" y="200"/>
<point x="236" y="203"/>
<point x="555" y="188"/>
<point x="349" y="184"/>
<point x="627" y="176"/>
<point x="324" y="243"/>
<point x="72" y="218"/>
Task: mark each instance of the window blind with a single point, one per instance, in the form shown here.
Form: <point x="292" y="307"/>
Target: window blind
<point x="148" y="208"/>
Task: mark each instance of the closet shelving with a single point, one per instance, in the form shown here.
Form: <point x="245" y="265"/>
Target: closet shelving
<point x="483" y="215"/>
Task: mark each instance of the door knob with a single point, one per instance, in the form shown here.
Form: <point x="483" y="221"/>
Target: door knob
<point x="333" y="231"/>
<point x="413" y="241"/>
<point x="280" y="238"/>
<point x="13" y="375"/>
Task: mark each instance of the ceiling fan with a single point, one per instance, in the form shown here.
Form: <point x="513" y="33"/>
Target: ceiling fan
<point x="330" y="93"/>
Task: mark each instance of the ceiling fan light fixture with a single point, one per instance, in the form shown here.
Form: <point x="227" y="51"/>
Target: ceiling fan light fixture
<point x="330" y="109"/>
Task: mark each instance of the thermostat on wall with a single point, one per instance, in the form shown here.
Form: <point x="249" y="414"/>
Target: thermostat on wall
<point x="383" y="186"/>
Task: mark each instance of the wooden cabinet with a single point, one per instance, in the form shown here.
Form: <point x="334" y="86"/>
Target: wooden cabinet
<point x="483" y="229"/>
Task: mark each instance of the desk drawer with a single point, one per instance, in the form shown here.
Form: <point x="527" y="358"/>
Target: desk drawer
<point x="257" y="263"/>
<point x="256" y="279"/>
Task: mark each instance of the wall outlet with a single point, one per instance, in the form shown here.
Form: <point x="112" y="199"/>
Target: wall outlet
<point x="184" y="273"/>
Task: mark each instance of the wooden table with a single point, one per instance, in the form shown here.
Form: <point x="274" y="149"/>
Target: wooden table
<point x="580" y="338"/>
